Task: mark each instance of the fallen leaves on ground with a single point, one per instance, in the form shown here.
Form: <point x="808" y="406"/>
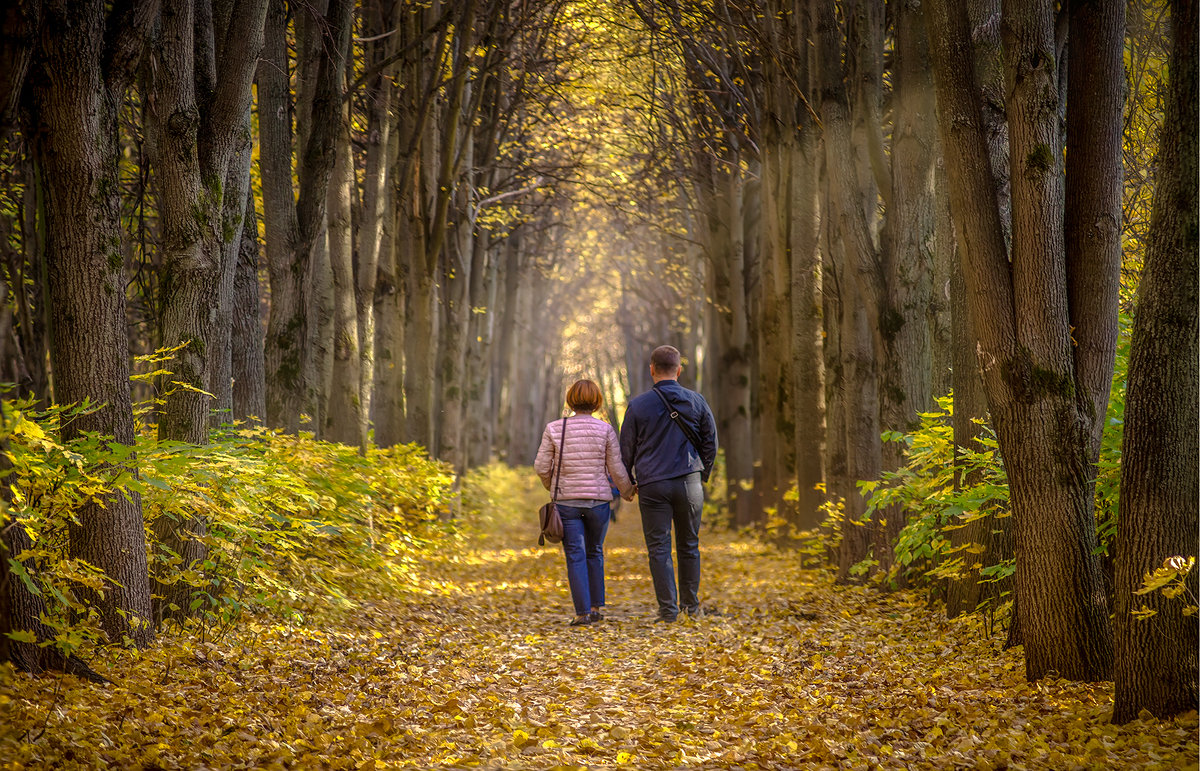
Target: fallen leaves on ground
<point x="476" y="666"/>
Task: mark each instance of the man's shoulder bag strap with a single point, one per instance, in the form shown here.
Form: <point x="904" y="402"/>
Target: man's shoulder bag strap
<point x="683" y="426"/>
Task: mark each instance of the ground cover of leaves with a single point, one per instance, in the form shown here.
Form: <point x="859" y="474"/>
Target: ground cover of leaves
<point x="475" y="666"/>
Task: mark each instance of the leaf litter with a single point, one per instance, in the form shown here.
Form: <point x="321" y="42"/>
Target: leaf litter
<point x="473" y="665"/>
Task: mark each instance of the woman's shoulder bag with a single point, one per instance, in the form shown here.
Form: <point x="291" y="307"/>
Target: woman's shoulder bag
<point x="551" y="522"/>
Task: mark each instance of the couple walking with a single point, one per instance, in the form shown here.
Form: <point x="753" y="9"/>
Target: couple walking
<point x="666" y="450"/>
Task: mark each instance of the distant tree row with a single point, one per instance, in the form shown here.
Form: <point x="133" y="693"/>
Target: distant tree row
<point x="887" y="202"/>
<point x="391" y="156"/>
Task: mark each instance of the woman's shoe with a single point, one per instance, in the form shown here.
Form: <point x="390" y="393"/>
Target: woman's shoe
<point x="595" y="616"/>
<point x="581" y="621"/>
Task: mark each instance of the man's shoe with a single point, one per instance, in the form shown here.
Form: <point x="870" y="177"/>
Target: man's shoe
<point x="702" y="611"/>
<point x="665" y="620"/>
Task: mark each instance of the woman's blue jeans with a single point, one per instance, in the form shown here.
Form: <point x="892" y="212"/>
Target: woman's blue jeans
<point x="583" y="546"/>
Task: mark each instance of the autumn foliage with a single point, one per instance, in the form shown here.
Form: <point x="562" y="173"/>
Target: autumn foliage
<point x="454" y="651"/>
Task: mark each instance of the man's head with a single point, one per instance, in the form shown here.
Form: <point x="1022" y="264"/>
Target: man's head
<point x="665" y="363"/>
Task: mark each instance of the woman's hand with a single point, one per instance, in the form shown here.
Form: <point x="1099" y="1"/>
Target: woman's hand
<point x="632" y="492"/>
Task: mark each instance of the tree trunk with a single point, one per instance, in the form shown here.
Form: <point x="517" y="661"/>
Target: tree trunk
<point x="381" y="157"/>
<point x="1156" y="657"/>
<point x="1092" y="225"/>
<point x="295" y="227"/>
<point x="387" y="402"/>
<point x="19" y="23"/>
<point x="863" y="451"/>
<point x="734" y="386"/>
<point x="994" y="535"/>
<point x="248" y="367"/>
<point x="964" y="594"/>
<point x="905" y="387"/>
<point x="774" y="426"/>
<point x="807" y="344"/>
<point x="420" y="356"/>
<point x="77" y="93"/>
<point x="343" y="418"/>
<point x="233" y="215"/>
<point x="1020" y="318"/>
<point x="201" y="143"/>
<point x="285" y="347"/>
<point x="189" y="270"/>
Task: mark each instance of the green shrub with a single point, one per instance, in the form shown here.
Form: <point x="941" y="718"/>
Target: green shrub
<point x="291" y="524"/>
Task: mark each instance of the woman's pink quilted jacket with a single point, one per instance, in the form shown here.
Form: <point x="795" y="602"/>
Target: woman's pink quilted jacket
<point x="592" y="453"/>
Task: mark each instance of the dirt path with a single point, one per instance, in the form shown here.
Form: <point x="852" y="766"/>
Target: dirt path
<point x="479" y="668"/>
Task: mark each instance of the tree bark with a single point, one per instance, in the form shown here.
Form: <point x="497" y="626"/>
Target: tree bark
<point x="202" y="137"/>
<point x="905" y="384"/>
<point x="295" y="227"/>
<point x="1092" y="224"/>
<point x="248" y="367"/>
<point x="19" y="24"/>
<point x="734" y="386"/>
<point x="1020" y="317"/>
<point x="1156" y="667"/>
<point x="994" y="535"/>
<point x="286" y="344"/>
<point x="379" y="165"/>
<point x="343" y="419"/>
<point x="81" y="79"/>
<point x="806" y="290"/>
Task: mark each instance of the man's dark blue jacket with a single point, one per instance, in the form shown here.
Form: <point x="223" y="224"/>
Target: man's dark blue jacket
<point x="654" y="448"/>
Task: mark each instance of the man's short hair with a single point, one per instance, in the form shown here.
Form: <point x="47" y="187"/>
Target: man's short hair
<point x="665" y="359"/>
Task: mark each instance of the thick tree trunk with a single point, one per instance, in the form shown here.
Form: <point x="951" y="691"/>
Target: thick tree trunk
<point x="381" y="157"/>
<point x="343" y="418"/>
<point x="963" y="595"/>
<point x="905" y="386"/>
<point x="480" y="420"/>
<point x="774" y="425"/>
<point x="994" y="535"/>
<point x="1156" y="657"/>
<point x="77" y="92"/>
<point x="248" y="367"/>
<point x="1020" y="317"/>
<point x="233" y="215"/>
<point x="189" y="273"/>
<point x="859" y="284"/>
<point x="295" y="227"/>
<point x="452" y="356"/>
<point x="506" y="353"/>
<point x="863" y="450"/>
<point x="807" y="344"/>
<point x="1092" y="226"/>
<point x="286" y="344"/>
<point x="420" y="356"/>
<point x="388" y="366"/>
<point x="202" y="153"/>
<point x="734" y="384"/>
<point x="1044" y="437"/>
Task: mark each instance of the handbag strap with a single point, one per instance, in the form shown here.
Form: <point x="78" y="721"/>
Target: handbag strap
<point x="562" y="447"/>
<point x="674" y="413"/>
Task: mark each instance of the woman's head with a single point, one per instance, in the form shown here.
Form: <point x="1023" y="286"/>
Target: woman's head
<point x="584" y="396"/>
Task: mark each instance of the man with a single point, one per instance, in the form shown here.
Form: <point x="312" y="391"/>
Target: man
<point x="668" y="459"/>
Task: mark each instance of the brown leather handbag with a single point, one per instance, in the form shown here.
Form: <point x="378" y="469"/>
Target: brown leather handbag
<point x="551" y="522"/>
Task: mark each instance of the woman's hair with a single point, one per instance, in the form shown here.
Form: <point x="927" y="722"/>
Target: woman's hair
<point x="584" y="396"/>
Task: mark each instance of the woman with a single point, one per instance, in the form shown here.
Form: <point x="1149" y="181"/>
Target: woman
<point x="590" y="454"/>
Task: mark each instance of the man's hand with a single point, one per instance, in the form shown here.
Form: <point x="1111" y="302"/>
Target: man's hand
<point x="632" y="492"/>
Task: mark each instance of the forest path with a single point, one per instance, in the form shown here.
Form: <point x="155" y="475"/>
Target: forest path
<point x="794" y="673"/>
<point x="475" y="666"/>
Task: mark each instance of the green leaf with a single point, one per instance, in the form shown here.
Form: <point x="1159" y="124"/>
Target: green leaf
<point x="19" y="571"/>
